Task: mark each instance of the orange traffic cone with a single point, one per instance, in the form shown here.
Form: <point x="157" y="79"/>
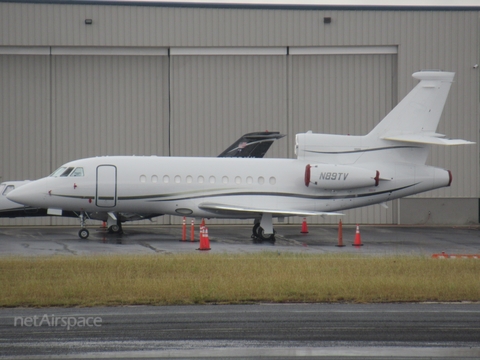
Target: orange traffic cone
<point x="340" y="234"/>
<point x="184" y="229"/>
<point x="192" y="231"/>
<point x="202" y="228"/>
<point x="358" y="240"/>
<point x="204" y="240"/>
<point x="304" y="227"/>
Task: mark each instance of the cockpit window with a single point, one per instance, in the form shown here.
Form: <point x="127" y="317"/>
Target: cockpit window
<point x="68" y="171"/>
<point x="8" y="189"/>
<point x="77" y="172"/>
<point x="2" y="187"/>
<point x="59" y="171"/>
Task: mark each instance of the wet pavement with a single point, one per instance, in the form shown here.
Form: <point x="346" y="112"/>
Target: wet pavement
<point x="375" y="240"/>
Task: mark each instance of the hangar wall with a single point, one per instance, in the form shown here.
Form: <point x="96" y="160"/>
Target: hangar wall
<point x="189" y="80"/>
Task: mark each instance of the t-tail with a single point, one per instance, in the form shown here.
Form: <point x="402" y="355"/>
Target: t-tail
<point x="405" y="134"/>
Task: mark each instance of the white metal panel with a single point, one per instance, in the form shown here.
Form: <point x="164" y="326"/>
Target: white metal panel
<point x="342" y="94"/>
<point x="24" y="121"/>
<point x="448" y="41"/>
<point x="109" y="105"/>
<point x="215" y="99"/>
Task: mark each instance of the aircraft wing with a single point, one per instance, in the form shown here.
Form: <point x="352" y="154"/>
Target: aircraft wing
<point x="234" y="209"/>
<point x="427" y="138"/>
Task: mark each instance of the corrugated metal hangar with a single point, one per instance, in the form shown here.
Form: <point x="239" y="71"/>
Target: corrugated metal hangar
<point x="82" y="79"/>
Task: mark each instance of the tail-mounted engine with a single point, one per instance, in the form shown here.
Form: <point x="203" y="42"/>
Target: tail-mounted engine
<point x="340" y="177"/>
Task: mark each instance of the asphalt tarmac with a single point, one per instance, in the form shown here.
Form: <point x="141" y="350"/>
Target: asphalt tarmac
<point x="376" y="240"/>
<point x="393" y="331"/>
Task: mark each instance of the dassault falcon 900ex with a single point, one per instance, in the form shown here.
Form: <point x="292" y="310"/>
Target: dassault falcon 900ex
<point x="331" y="173"/>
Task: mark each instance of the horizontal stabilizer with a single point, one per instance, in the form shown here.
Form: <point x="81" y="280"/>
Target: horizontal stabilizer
<point x="427" y="138"/>
<point x="223" y="208"/>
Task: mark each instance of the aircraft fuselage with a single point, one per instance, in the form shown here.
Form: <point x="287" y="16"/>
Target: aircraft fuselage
<point x="182" y="185"/>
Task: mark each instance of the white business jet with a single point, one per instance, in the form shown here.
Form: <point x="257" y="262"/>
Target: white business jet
<point x="252" y="145"/>
<point x="331" y="173"/>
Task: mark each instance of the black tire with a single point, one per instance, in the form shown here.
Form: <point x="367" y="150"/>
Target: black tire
<point x="115" y="229"/>
<point x="265" y="237"/>
<point x="255" y="230"/>
<point x="83" y="233"/>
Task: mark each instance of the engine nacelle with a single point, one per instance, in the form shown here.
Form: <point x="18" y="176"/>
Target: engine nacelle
<point x="340" y="177"/>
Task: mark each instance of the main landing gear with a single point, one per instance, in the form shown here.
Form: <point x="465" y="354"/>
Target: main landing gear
<point x="114" y="223"/>
<point x="259" y="236"/>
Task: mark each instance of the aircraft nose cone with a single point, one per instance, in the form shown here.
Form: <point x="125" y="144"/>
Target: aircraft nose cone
<point x="17" y="196"/>
<point x="27" y="194"/>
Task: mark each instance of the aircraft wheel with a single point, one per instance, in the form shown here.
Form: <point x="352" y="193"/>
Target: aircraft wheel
<point x="83" y="233"/>
<point x="114" y="229"/>
<point x="265" y="237"/>
<point x="255" y="231"/>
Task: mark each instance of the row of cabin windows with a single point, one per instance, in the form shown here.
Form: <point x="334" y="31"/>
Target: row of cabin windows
<point x="77" y="172"/>
<point x="212" y="180"/>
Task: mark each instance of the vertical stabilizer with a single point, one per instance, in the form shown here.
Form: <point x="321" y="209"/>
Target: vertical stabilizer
<point x="404" y="135"/>
<point x="416" y="117"/>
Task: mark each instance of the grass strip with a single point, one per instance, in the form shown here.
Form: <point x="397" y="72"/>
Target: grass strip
<point x="234" y="279"/>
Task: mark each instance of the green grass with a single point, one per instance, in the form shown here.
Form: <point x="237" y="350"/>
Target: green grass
<point x="211" y="278"/>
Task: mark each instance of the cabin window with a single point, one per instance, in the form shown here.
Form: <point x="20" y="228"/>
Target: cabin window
<point x="178" y="179"/>
<point x="225" y="180"/>
<point x="166" y="179"/>
<point x="154" y="179"/>
<point x="261" y="180"/>
<point x="78" y="172"/>
<point x="238" y="180"/>
<point x="212" y="180"/>
<point x="143" y="178"/>
<point x="249" y="180"/>
<point x="200" y="179"/>
<point x="189" y="179"/>
<point x="273" y="181"/>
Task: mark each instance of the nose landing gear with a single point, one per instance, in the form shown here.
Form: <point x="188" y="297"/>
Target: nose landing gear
<point x="83" y="233"/>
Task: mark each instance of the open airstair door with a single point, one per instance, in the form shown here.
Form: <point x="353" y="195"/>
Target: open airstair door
<point x="106" y="186"/>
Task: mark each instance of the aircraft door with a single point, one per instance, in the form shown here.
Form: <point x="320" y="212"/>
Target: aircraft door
<point x="106" y="186"/>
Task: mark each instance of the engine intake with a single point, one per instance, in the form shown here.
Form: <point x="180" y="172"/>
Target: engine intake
<point x="340" y="177"/>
